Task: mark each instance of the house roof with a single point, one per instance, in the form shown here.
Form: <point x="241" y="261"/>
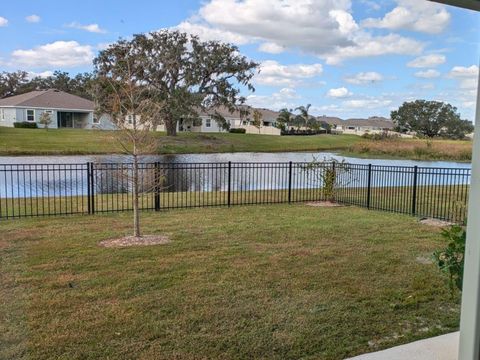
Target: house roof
<point x="374" y="121"/>
<point x="50" y="99"/>
<point x="330" y="120"/>
<point x="268" y="115"/>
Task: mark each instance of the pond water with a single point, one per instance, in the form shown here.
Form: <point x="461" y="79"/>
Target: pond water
<point x="225" y="157"/>
<point x="40" y="176"/>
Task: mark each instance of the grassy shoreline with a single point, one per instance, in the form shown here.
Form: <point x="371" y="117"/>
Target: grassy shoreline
<point x="29" y="142"/>
<point x="413" y="149"/>
<point x="23" y="142"/>
<point x="292" y="286"/>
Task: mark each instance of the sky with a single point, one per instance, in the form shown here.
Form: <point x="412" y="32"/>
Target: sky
<point x="347" y="58"/>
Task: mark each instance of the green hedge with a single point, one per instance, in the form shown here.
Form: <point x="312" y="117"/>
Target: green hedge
<point x="25" y="125"/>
<point x="238" y="131"/>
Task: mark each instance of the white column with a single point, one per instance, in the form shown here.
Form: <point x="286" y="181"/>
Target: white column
<point x="470" y="317"/>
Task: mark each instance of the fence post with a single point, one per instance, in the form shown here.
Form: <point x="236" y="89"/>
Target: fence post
<point x="229" y="182"/>
<point x="157" y="186"/>
<point x="290" y="182"/>
<point x="369" y="185"/>
<point x="414" y="195"/>
<point x="90" y="189"/>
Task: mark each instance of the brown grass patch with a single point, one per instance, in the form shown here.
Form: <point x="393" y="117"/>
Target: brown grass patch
<point x="323" y="204"/>
<point x="126" y="241"/>
<point x="416" y="149"/>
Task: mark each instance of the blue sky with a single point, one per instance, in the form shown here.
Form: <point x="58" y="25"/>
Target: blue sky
<point x="348" y="58"/>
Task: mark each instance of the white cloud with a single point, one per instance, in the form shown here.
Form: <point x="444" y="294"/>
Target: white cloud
<point x="33" y="18"/>
<point x="427" y="74"/>
<point x="273" y="73"/>
<point x="427" y="61"/>
<point x="3" y="21"/>
<point x="465" y="92"/>
<point x="285" y="98"/>
<point x="93" y="28"/>
<point x="208" y="33"/>
<point x="367" y="46"/>
<point x="364" y="78"/>
<point x="372" y="5"/>
<point x="326" y="109"/>
<point x="422" y="16"/>
<point x="324" y="28"/>
<point x="57" y="54"/>
<point x="43" y="74"/>
<point x="271" y="48"/>
<point x="427" y="86"/>
<point x="371" y="103"/>
<point x="341" y="92"/>
<point x="464" y="72"/>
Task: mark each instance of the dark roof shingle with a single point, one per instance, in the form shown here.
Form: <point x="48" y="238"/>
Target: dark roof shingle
<point x="50" y="99"/>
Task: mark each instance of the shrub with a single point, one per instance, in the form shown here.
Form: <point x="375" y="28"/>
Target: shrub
<point x="45" y="120"/>
<point x="384" y="135"/>
<point x="25" y="125"/>
<point x="237" y="131"/>
<point x="303" y="132"/>
<point x="450" y="259"/>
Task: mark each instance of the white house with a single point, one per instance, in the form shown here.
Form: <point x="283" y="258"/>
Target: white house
<point x="372" y="125"/>
<point x="207" y="124"/>
<point x="66" y="110"/>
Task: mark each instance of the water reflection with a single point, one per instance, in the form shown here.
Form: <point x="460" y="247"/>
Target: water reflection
<point x="67" y="175"/>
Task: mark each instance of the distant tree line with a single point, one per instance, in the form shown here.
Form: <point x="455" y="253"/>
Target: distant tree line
<point x="20" y="82"/>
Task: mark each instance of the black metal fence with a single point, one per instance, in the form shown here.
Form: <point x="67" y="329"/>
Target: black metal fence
<point x="60" y="189"/>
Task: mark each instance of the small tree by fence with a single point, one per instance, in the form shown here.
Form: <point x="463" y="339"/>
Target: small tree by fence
<point x="331" y="175"/>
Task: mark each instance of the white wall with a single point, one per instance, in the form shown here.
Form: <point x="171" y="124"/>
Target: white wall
<point x="9" y="117"/>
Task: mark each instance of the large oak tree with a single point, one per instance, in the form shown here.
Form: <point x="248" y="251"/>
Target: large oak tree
<point x="430" y="119"/>
<point x="189" y="75"/>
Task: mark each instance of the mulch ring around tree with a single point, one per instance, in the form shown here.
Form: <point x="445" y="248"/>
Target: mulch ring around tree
<point x="126" y="241"/>
<point x="323" y="204"/>
<point x="435" y="222"/>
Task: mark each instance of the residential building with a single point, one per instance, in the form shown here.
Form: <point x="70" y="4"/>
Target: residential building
<point x="206" y="122"/>
<point x="66" y="110"/>
<point x="357" y="126"/>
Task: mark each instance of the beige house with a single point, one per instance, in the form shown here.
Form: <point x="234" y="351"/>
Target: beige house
<point x="357" y="126"/>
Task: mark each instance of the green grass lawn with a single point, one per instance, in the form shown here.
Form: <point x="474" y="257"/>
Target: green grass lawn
<point x="278" y="281"/>
<point x="77" y="141"/>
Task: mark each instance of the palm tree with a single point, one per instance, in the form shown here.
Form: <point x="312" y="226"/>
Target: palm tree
<point x="284" y="118"/>
<point x="304" y="113"/>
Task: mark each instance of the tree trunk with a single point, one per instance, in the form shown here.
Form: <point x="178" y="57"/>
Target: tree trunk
<point x="136" y="217"/>
<point x="171" y="126"/>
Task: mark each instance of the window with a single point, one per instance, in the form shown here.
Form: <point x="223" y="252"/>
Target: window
<point x="208" y="122"/>
<point x="30" y="115"/>
<point x="2" y="115"/>
<point x="96" y="120"/>
<point x="130" y="119"/>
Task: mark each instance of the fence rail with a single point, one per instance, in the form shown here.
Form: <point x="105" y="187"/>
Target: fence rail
<point x="61" y="189"/>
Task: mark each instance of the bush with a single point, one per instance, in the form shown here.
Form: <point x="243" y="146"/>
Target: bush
<point x="384" y="135"/>
<point x="237" y="131"/>
<point x="450" y="260"/>
<point x="25" y="125"/>
<point x="303" y="132"/>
